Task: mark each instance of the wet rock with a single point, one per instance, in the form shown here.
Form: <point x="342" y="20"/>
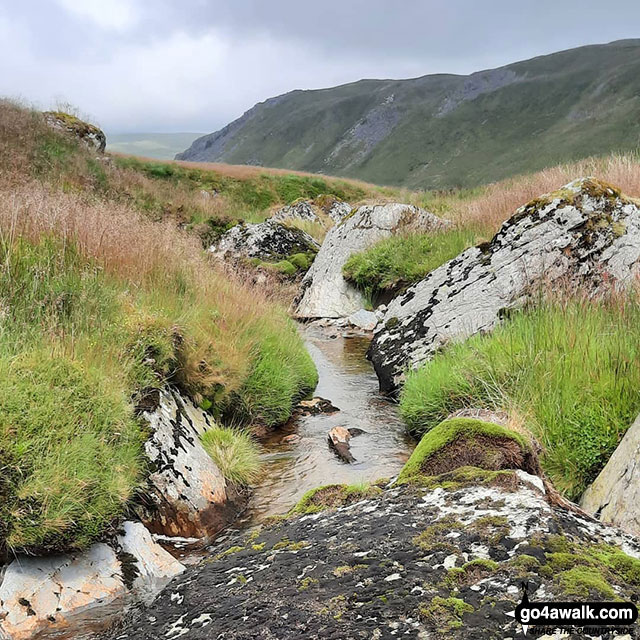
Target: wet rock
<point x="355" y="431"/>
<point x="389" y="565"/>
<point x="90" y="135"/>
<point x="325" y="293"/>
<point x="587" y="233"/>
<point x="187" y="494"/>
<point x="365" y="320"/>
<point x="293" y="438"/>
<point x="268" y="240"/>
<point x="316" y="406"/>
<point x="302" y="210"/>
<point x="78" y="593"/>
<point x="339" y="441"/>
<point x="614" y="496"/>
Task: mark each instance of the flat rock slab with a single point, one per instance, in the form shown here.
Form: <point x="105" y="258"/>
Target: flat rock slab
<point x="325" y="293"/>
<point x="374" y="568"/>
<point x="586" y="233"/>
<point x="78" y="593"/>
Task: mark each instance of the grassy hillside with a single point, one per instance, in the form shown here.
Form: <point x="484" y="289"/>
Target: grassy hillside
<point x="447" y="131"/>
<point x="99" y="301"/>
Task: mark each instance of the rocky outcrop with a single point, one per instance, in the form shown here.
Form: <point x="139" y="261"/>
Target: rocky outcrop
<point x="268" y="240"/>
<point x="76" y="594"/>
<point x="301" y="210"/>
<point x="445" y="559"/>
<point x="187" y="494"/>
<point x="586" y="233"/>
<point x="90" y="135"/>
<point x="325" y="293"/>
<point x="614" y="496"/>
<point x="338" y="211"/>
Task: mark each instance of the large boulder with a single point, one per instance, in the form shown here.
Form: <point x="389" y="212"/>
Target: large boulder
<point x="325" y="293"/>
<point x="90" y="135"/>
<point x="614" y="496"/>
<point x="268" y="240"/>
<point x="586" y="233"/>
<point x="187" y="494"/>
<point x="75" y="594"/>
<point x="301" y="210"/>
<point x="445" y="558"/>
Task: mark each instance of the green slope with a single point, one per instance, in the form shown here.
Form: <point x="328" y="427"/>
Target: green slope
<point x="443" y="130"/>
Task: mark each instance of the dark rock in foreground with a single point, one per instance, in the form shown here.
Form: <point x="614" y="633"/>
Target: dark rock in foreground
<point x="444" y="559"/>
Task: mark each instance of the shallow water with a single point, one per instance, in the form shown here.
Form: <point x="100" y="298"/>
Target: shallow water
<point x="348" y="380"/>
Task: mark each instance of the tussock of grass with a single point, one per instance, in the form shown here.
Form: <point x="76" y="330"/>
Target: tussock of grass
<point x="234" y="452"/>
<point x="571" y="368"/>
<point x="97" y="303"/>
<point x="399" y="261"/>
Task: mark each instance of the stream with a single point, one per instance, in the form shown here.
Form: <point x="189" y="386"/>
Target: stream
<point x="348" y="380"/>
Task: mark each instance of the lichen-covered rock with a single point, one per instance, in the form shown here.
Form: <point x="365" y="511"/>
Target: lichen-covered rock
<point x="268" y="240"/>
<point x="586" y="233"/>
<point x="614" y="496"/>
<point x="188" y="495"/>
<point x="301" y="210"/>
<point x="468" y="442"/>
<point x="338" y="210"/>
<point x="404" y="562"/>
<point x="325" y="293"/>
<point x="90" y="135"/>
<point x="77" y="594"/>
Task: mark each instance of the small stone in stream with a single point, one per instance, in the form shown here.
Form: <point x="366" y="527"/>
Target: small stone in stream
<point x="365" y="320"/>
<point x="355" y="431"/>
<point x="316" y="406"/>
<point x="339" y="441"/>
<point x="291" y="439"/>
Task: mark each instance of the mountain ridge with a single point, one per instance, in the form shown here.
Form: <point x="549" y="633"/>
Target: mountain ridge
<point x="446" y="130"/>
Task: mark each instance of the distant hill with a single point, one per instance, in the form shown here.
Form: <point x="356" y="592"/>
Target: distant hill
<point x="442" y="131"/>
<point x="161" y="146"/>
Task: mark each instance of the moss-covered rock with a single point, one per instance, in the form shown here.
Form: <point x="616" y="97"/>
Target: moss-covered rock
<point x="87" y="133"/>
<point x="466" y="442"/>
<point x="332" y="496"/>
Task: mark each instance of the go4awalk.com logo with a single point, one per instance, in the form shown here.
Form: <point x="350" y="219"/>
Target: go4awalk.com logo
<point x="584" y="618"/>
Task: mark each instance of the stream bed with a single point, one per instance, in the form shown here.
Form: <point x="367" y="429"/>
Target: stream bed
<point x="348" y="380"/>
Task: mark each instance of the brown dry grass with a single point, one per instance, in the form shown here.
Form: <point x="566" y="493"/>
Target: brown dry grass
<point x="500" y="200"/>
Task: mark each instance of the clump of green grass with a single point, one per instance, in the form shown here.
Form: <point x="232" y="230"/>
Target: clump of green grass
<point x="398" y="261"/>
<point x="234" y="452"/>
<point x="571" y="369"/>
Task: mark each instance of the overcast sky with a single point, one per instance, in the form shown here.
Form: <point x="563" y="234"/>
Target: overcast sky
<point x="195" y="65"/>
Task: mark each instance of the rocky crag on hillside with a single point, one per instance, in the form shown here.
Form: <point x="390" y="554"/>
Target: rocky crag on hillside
<point x="431" y="556"/>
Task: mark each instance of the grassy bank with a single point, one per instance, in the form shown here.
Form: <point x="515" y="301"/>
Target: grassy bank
<point x="569" y="372"/>
<point x="399" y="261"/>
<point x="97" y="303"/>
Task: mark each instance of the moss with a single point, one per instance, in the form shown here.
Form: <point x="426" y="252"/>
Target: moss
<point x="432" y="538"/>
<point x="290" y="545"/>
<point x="584" y="582"/>
<point x="302" y="261"/>
<point x="465" y="477"/>
<point x="258" y="547"/>
<point x="524" y="564"/>
<point x="470" y="572"/>
<point x="391" y="323"/>
<point x="563" y="561"/>
<point x="445" y="613"/>
<point x="347" y="569"/>
<point x="461" y="432"/>
<point x="306" y="583"/>
<point x="332" y="496"/>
